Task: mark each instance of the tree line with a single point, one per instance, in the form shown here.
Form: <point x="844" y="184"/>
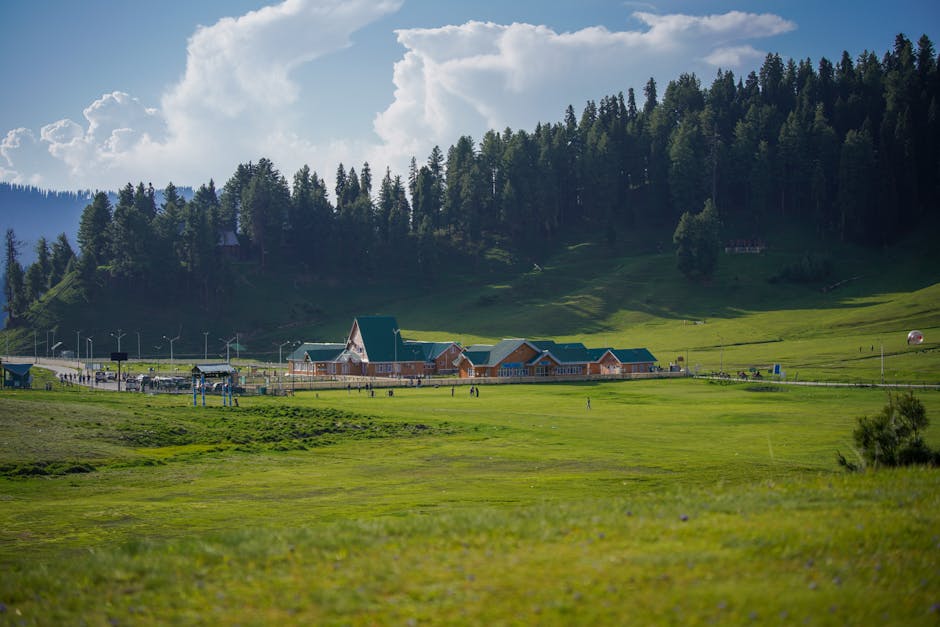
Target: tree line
<point x="850" y="149"/>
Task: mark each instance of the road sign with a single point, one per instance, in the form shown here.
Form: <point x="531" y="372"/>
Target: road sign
<point x="118" y="357"/>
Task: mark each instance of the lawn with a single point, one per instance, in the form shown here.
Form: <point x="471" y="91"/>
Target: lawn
<point x="667" y="502"/>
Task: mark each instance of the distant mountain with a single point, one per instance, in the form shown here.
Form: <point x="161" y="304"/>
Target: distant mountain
<point x="33" y="212"/>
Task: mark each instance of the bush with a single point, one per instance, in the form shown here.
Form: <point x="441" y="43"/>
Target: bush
<point x="894" y="436"/>
<point x="810" y="269"/>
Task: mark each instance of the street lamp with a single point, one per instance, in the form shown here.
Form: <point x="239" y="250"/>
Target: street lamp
<point x="138" y="345"/>
<point x="205" y="346"/>
<point x="91" y="349"/>
<point x="171" y="340"/>
<point x="78" y="345"/>
<point x="118" y="338"/>
<point x="228" y="343"/>
<point x="396" y="335"/>
<point x="721" y="368"/>
<point x="280" y="346"/>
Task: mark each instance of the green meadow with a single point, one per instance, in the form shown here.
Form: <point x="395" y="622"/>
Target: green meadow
<point x="666" y="502"/>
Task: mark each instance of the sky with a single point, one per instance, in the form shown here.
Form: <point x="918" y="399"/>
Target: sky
<point x="99" y="93"/>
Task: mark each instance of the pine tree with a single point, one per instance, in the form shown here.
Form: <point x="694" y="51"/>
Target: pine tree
<point x="62" y="254"/>
<point x="698" y="242"/>
<point x="93" y="232"/>
<point x="14" y="289"/>
<point x="38" y="272"/>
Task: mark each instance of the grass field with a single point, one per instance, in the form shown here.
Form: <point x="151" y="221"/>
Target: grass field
<point x="677" y="502"/>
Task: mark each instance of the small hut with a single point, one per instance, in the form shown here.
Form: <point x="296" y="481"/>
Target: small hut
<point x="17" y="376"/>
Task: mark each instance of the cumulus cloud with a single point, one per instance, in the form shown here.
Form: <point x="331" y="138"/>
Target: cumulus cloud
<point x="464" y="79"/>
<point x="239" y="96"/>
<point x="235" y="101"/>
<point x="27" y="160"/>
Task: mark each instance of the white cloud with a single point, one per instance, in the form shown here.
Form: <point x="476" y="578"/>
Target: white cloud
<point x="27" y="160"/>
<point x="465" y="79"/>
<point x="236" y="101"/>
<point x="239" y="97"/>
<point x="735" y="56"/>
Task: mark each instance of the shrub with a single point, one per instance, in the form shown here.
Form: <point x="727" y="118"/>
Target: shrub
<point x="809" y="269"/>
<point x="894" y="436"/>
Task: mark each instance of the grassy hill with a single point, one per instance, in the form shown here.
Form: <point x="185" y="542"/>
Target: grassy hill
<point x="668" y="502"/>
<point x="625" y="295"/>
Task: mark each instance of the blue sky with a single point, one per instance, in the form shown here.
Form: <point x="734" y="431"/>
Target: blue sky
<point x="101" y="92"/>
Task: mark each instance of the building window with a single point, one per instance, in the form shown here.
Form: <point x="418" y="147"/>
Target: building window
<point x="568" y="370"/>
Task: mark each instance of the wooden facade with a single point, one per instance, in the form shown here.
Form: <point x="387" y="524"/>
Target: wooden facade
<point x="375" y="348"/>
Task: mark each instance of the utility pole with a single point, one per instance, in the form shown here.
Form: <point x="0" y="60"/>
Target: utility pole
<point x="138" y="345"/>
<point x="118" y="337"/>
<point x="78" y="345"/>
<point x="205" y="346"/>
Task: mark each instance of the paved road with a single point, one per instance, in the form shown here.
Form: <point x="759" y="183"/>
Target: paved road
<point x="63" y="367"/>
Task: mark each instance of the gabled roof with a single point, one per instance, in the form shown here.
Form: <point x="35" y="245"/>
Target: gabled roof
<point x="566" y="353"/>
<point x="382" y="341"/>
<point x="477" y="355"/>
<point x="492" y="355"/>
<point x="214" y="370"/>
<point x="19" y="370"/>
<point x="429" y="350"/>
<point x="596" y="354"/>
<point x="634" y="356"/>
<point x="317" y="351"/>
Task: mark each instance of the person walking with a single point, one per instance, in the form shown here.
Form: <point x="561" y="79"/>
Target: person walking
<point x="589" y="403"/>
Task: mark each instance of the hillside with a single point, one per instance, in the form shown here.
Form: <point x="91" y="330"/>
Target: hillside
<point x="627" y="295"/>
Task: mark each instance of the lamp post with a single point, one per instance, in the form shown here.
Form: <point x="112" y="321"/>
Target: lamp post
<point x="396" y="335"/>
<point x="205" y="346"/>
<point x="882" y="363"/>
<point x="228" y="343"/>
<point x="171" y="340"/>
<point x="721" y="368"/>
<point x="118" y="337"/>
<point x="281" y="346"/>
<point x="78" y="345"/>
<point x="91" y="349"/>
<point x="138" y="345"/>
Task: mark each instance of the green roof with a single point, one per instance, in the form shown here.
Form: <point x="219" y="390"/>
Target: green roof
<point x="564" y="353"/>
<point x="634" y="356"/>
<point x="317" y="351"/>
<point x="429" y="350"/>
<point x="383" y="342"/>
<point x="491" y="355"/>
<point x="568" y="353"/>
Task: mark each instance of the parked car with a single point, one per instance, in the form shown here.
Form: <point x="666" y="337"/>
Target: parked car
<point x="100" y="376"/>
<point x="132" y="385"/>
